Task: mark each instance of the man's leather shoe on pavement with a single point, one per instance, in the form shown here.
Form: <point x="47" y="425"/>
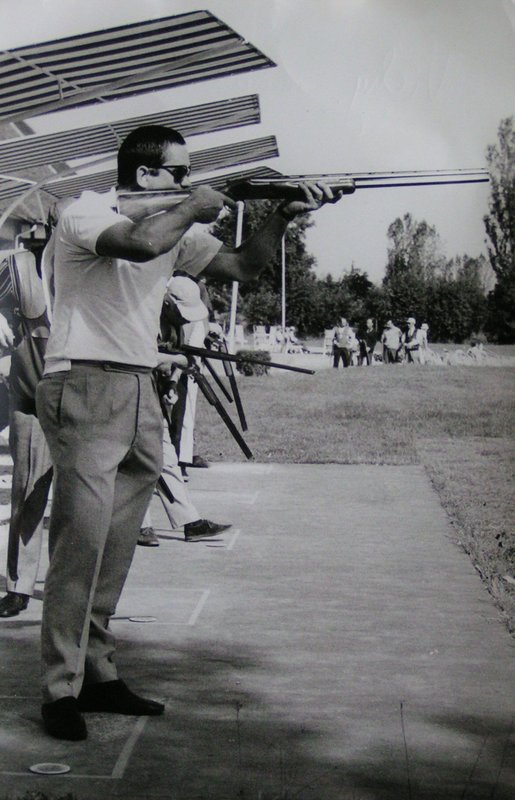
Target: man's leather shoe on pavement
<point x="115" y="697"/>
<point x="13" y="603"/>
<point x="202" y="529"/>
<point x="147" y="538"/>
<point x="63" y="720"/>
<point x="199" y="462"/>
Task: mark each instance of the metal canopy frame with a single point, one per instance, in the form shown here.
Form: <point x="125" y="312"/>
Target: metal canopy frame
<point x="121" y="62"/>
<point x="35" y="150"/>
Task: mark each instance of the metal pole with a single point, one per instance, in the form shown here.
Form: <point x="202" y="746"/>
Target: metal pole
<point x="234" y="297"/>
<point x="283" y="285"/>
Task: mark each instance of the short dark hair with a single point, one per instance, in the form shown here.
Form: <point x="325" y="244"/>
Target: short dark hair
<point x="144" y="146"/>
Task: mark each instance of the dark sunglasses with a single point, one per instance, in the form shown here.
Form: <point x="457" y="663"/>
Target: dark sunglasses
<point x="178" y="173"/>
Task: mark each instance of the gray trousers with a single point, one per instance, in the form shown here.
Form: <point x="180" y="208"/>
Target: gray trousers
<point x="104" y="430"/>
<point x="32" y="476"/>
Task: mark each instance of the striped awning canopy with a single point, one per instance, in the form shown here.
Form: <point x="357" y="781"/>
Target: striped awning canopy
<point x="120" y="62"/>
<point x="213" y="158"/>
<point x="22" y="154"/>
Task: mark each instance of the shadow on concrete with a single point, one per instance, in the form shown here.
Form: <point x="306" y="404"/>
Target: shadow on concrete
<point x="219" y="741"/>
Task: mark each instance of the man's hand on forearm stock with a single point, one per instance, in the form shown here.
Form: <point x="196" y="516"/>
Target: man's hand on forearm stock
<point x="317" y="195"/>
<point x="256" y="252"/>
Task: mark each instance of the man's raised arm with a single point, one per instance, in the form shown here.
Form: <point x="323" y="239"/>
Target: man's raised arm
<point x="246" y="262"/>
<point x="150" y="237"/>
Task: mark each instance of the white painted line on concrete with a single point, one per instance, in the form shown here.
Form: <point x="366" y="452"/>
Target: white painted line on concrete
<point x="174" y="590"/>
<point x="68" y="775"/>
<point x="233" y="539"/>
<point x="200" y="605"/>
<point x="121" y="762"/>
<point x="130" y="744"/>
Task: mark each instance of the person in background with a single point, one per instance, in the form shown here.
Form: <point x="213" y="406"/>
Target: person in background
<point x="391" y="340"/>
<point x="367" y="341"/>
<point x="424" y="342"/>
<point x="182" y="309"/>
<point x="344" y="342"/>
<point x="22" y="295"/>
<point x="194" y="333"/>
<point x="411" y="342"/>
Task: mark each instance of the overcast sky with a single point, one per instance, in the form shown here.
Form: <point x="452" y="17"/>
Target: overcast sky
<point x="361" y="85"/>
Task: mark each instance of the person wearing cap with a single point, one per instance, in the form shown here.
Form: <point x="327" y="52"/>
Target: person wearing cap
<point x="424" y="343"/>
<point x="182" y="294"/>
<point x="98" y="406"/>
<point x="411" y="342"/>
<point x="391" y="340"/>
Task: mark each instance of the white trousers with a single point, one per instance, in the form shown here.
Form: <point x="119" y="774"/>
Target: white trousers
<point x="182" y="509"/>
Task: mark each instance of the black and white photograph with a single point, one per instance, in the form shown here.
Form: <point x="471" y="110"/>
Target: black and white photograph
<point x="257" y="400"/>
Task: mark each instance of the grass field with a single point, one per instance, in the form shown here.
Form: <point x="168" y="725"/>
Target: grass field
<point x="459" y="422"/>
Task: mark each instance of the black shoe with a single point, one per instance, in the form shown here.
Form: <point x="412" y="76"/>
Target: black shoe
<point x="184" y="473"/>
<point x="148" y="538"/>
<point x="63" y="720"/>
<point x="199" y="462"/>
<point x="202" y="529"/>
<point x="13" y="603"/>
<point x="115" y="697"/>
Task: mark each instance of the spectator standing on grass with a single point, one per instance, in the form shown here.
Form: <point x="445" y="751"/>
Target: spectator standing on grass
<point x="391" y="340"/>
<point x="411" y="342"/>
<point x="424" y="342"/>
<point x="367" y="342"/>
<point x="344" y="343"/>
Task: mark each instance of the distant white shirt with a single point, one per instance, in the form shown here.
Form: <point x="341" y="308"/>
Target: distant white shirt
<point x="108" y="309"/>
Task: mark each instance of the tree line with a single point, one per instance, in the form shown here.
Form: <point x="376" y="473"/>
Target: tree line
<point x="459" y="298"/>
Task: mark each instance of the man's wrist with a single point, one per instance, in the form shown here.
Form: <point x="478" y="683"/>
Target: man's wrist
<point x="281" y="210"/>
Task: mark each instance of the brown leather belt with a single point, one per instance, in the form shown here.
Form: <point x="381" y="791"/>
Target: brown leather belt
<point x="112" y="366"/>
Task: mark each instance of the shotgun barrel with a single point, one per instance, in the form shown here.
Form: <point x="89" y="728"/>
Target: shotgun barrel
<point x="236" y="359"/>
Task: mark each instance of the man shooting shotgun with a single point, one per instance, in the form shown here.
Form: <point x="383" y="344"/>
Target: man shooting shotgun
<point x="98" y="407"/>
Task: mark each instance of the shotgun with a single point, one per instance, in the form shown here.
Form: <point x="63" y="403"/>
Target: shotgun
<point x="138" y="205"/>
<point x="189" y="350"/>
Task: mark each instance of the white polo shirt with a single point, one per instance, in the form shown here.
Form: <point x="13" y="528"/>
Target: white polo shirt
<point x="108" y="309"/>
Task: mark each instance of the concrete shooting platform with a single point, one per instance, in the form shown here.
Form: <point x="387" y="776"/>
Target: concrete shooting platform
<point x="335" y="644"/>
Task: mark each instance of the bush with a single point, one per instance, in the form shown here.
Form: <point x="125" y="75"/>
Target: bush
<point x="252" y="355"/>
